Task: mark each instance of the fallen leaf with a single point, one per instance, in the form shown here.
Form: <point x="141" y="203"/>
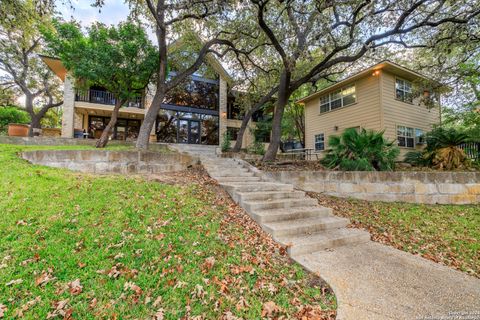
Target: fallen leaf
<point x="3" y="309"/>
<point x="208" y="264"/>
<point x="93" y="303"/>
<point x="11" y="283"/>
<point x="269" y="309"/>
<point x="75" y="287"/>
<point x="159" y="314"/>
<point x="26" y="307"/>
<point x="44" y="278"/>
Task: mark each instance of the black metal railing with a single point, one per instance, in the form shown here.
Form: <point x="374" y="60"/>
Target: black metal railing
<point x="471" y="149"/>
<point x="105" y="97"/>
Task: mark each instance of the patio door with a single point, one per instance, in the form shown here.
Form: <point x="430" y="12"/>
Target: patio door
<point x="188" y="131"/>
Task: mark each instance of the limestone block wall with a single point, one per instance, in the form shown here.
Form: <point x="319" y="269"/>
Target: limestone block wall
<point x="104" y="162"/>
<point x="412" y="187"/>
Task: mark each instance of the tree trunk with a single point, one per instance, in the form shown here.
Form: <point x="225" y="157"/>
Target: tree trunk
<point x="149" y="121"/>
<point x="35" y="123"/>
<point x="283" y="96"/>
<point x="238" y="144"/>
<point x="102" y="142"/>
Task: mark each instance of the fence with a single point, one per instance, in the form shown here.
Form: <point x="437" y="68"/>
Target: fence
<point x="471" y="149"/>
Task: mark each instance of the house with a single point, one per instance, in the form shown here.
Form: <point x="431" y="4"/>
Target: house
<point x="382" y="97"/>
<point x="198" y="111"/>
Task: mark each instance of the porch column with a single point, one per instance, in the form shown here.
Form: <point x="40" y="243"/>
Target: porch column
<point x="68" y="107"/>
<point x="222" y="108"/>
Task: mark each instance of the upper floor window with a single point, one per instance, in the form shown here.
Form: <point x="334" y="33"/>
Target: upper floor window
<point x="337" y="99"/>
<point x="319" y="142"/>
<point x="403" y="90"/>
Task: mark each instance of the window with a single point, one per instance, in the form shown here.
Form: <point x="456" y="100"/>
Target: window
<point x="320" y="142"/>
<point x="338" y="99"/>
<point x="403" y="90"/>
<point x="419" y="136"/>
<point x="405" y="137"/>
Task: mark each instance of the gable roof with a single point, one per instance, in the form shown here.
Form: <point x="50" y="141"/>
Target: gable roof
<point x="384" y="65"/>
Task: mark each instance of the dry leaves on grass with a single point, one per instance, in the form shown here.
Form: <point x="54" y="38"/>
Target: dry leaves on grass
<point x="269" y="309"/>
<point x="19" y="313"/>
<point x="44" y="278"/>
<point x="61" y="309"/>
<point x="75" y="287"/>
<point x="3" y="309"/>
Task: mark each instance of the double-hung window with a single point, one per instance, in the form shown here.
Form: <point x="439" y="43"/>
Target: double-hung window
<point x="337" y="99"/>
<point x="319" y="142"/>
<point x="403" y="90"/>
<point x="405" y="136"/>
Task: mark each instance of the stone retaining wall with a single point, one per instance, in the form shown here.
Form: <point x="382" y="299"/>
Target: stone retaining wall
<point x="104" y="161"/>
<point x="413" y="187"/>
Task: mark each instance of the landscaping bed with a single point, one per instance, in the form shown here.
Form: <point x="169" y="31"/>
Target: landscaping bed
<point x="81" y="246"/>
<point x="447" y="234"/>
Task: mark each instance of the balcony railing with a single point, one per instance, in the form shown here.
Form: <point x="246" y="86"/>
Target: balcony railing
<point x="105" y="97"/>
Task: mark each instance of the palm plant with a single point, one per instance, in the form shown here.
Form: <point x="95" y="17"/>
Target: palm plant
<point x="363" y="150"/>
<point x="443" y="148"/>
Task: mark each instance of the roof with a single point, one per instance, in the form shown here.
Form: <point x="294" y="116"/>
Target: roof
<point x="56" y="65"/>
<point x="384" y="65"/>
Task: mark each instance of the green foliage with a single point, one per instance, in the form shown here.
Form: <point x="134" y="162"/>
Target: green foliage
<point x="121" y="59"/>
<point x="257" y="147"/>
<point x="226" y="138"/>
<point x="442" y="151"/>
<point x="364" y="150"/>
<point x="12" y="115"/>
<point x="262" y="128"/>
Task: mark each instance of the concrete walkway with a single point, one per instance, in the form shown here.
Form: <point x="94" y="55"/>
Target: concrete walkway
<point x="370" y="280"/>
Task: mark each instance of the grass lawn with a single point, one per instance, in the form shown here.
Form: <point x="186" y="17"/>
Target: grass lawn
<point x="449" y="234"/>
<point x="82" y="246"/>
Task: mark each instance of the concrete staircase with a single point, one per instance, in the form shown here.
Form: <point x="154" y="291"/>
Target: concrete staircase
<point x="292" y="218"/>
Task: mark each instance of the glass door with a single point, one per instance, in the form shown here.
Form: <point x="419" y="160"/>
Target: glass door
<point x="183" y="131"/>
<point x="194" y="132"/>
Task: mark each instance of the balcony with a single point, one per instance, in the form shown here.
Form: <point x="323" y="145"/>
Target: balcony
<point x="105" y="97"/>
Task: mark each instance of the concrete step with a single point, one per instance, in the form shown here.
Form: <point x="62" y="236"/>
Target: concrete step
<point x="304" y="226"/>
<point x="269" y="195"/>
<point x="252" y="206"/>
<point x="233" y="173"/>
<point x="274" y="215"/>
<point x="328" y="239"/>
<point x="257" y="186"/>
<point x="237" y="179"/>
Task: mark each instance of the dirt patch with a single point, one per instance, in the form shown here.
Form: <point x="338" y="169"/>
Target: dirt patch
<point x="298" y="165"/>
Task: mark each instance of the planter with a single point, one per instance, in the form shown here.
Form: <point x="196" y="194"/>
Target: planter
<point x="51" y="132"/>
<point x="18" y="130"/>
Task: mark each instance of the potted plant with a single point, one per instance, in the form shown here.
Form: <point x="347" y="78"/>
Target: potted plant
<point x="18" y="130"/>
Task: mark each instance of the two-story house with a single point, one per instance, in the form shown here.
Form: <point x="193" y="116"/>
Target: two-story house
<point x="378" y="98"/>
<point x="198" y="111"/>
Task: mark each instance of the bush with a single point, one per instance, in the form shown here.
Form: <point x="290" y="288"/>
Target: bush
<point x="256" y="147"/>
<point x="442" y="151"/>
<point x="226" y="138"/>
<point x="364" y="150"/>
<point x="12" y="115"/>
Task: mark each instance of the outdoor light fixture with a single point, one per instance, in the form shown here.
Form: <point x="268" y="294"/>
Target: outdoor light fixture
<point x="224" y="115"/>
<point x="376" y="73"/>
<point x="426" y="93"/>
<point x="335" y="128"/>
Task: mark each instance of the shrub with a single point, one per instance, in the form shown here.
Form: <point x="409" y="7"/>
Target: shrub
<point x="364" y="150"/>
<point x="256" y="147"/>
<point x="226" y="138"/>
<point x="442" y="151"/>
<point x="12" y="115"/>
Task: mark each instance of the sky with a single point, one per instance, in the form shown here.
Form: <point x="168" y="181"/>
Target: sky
<point x="113" y="12"/>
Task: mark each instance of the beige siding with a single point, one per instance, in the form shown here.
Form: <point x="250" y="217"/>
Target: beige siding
<point x="364" y="113"/>
<point x="396" y="112"/>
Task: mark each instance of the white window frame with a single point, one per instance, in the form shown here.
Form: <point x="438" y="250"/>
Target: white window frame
<point x="404" y="132"/>
<point x="406" y="94"/>
<point x="335" y="96"/>
<point x="322" y="141"/>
